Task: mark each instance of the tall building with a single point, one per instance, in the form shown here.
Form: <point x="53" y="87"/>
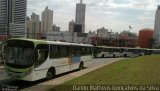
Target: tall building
<point x="47" y="20"/>
<point x="34" y="17"/>
<point x="80" y="16"/>
<point x="55" y="28"/>
<point x="33" y="26"/>
<point x="3" y="17"/>
<point x="28" y="27"/>
<point x="71" y="26"/>
<point x="13" y="17"/>
<point x="157" y="28"/>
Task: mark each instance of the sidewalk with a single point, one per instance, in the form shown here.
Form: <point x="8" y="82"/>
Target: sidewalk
<point x="60" y="80"/>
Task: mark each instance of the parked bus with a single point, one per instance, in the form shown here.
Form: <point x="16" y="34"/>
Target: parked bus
<point x="132" y="52"/>
<point x="152" y="51"/>
<point x="31" y="60"/>
<point x="108" y="52"/>
<point x="141" y="51"/>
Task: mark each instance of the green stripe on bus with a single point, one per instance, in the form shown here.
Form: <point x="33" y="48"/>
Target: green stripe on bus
<point x="18" y="70"/>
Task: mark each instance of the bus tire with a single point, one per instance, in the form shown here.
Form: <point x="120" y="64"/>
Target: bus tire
<point x="95" y="56"/>
<point x="81" y="66"/>
<point x="50" y="73"/>
<point x="114" y="55"/>
<point x="125" y="55"/>
<point x="103" y="56"/>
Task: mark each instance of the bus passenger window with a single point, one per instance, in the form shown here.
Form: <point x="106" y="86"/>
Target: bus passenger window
<point x="41" y="57"/>
<point x="42" y="54"/>
<point x="54" y="52"/>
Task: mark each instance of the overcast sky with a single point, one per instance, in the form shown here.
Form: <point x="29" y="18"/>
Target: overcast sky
<point x="112" y="14"/>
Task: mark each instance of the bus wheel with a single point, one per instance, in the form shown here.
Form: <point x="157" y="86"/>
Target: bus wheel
<point x="114" y="56"/>
<point x="125" y="55"/>
<point x="95" y="56"/>
<point x="50" y="74"/>
<point x="81" y="66"/>
<point x="103" y="56"/>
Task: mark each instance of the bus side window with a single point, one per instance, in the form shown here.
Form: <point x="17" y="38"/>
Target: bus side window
<point x="83" y="51"/>
<point x="42" y="54"/>
<point x="76" y="51"/>
<point x="63" y="51"/>
<point x="88" y="50"/>
<point x="54" y="52"/>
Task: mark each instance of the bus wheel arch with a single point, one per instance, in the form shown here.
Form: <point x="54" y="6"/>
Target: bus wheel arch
<point x="114" y="55"/>
<point x="51" y="73"/>
<point x="81" y="65"/>
<point x="125" y="55"/>
<point x="102" y="55"/>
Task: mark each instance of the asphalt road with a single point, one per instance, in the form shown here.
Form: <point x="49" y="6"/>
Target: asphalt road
<point x="44" y="84"/>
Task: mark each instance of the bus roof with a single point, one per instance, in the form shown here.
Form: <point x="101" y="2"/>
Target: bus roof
<point x="154" y="49"/>
<point x="51" y="42"/>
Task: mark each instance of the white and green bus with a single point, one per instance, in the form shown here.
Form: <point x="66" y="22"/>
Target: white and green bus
<point x="31" y="60"/>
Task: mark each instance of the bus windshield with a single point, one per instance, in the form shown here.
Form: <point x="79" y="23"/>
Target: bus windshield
<point x="20" y="56"/>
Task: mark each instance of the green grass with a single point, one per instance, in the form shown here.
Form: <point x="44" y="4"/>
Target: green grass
<point x="137" y="71"/>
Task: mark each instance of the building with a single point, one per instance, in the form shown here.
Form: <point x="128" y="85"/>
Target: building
<point x="3" y="17"/>
<point x="71" y="26"/>
<point x="34" y="17"/>
<point x="124" y="39"/>
<point x="107" y="38"/>
<point x="103" y="33"/>
<point x="92" y="38"/>
<point x="47" y="20"/>
<point x="66" y="36"/>
<point x="145" y="38"/>
<point x="29" y="28"/>
<point x="55" y="28"/>
<point x="13" y="18"/>
<point x="33" y="26"/>
<point x="128" y="39"/>
<point x="157" y="28"/>
<point x="80" y="17"/>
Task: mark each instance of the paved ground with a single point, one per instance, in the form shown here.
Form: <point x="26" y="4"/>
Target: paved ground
<point x="97" y="63"/>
